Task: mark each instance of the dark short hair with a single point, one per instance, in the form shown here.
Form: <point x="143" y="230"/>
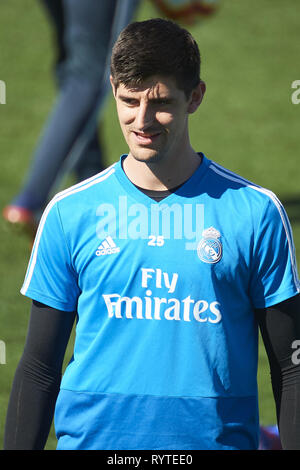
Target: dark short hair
<point x="156" y="47"/>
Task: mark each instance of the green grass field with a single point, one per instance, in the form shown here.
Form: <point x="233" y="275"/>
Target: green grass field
<point x="247" y="122"/>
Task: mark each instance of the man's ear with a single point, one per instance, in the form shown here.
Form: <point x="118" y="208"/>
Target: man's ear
<point x="196" y="97"/>
<point x="114" y="88"/>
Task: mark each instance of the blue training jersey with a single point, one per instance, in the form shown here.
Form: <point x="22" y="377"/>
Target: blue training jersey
<point x="166" y="347"/>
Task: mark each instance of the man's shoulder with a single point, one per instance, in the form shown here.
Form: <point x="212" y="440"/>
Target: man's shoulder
<point x="85" y="189"/>
<point x="75" y="203"/>
<point x="227" y="180"/>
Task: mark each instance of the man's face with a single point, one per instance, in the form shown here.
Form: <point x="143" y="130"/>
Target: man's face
<point x="153" y="118"/>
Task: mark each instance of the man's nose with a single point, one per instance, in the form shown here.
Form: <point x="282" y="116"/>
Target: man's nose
<point x="145" y="116"/>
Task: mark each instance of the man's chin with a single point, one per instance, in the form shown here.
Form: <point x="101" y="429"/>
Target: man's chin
<point x="146" y="155"/>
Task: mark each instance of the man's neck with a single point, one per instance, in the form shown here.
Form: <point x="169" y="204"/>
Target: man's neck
<point x="157" y="176"/>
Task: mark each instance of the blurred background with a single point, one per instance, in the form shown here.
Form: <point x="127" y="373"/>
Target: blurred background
<point x="247" y="122"/>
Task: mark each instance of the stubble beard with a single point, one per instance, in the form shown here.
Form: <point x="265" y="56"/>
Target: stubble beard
<point x="155" y="158"/>
<point x="150" y="155"/>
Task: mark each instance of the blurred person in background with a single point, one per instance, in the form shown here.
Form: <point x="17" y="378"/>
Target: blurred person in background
<point x="84" y="32"/>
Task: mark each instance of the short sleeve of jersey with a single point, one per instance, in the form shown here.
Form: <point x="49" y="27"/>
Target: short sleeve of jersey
<point x="274" y="271"/>
<point x="50" y="277"/>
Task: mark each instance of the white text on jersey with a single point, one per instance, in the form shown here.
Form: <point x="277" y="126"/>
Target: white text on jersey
<point x="151" y="307"/>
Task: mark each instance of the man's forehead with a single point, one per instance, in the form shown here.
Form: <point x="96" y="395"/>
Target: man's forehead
<point x="154" y="86"/>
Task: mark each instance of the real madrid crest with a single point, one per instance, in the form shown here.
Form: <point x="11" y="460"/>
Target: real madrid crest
<point x="209" y="249"/>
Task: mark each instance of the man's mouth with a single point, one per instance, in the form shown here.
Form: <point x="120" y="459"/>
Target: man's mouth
<point x="146" y="138"/>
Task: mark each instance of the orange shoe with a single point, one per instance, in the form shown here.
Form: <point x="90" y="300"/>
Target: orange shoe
<point x="20" y="219"/>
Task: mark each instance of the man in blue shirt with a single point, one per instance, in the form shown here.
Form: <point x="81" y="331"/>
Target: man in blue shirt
<point x="169" y="263"/>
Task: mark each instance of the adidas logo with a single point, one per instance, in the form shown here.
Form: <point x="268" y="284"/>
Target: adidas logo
<point x="107" y="247"/>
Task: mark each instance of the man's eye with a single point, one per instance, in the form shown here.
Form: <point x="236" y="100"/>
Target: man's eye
<point x="162" y="102"/>
<point x="130" y="101"/>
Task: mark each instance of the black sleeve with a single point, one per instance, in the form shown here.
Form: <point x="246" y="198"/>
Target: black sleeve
<point x="37" y="379"/>
<point x="280" y="329"/>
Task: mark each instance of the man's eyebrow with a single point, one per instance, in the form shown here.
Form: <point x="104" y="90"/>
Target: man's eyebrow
<point x="160" y="99"/>
<point x="126" y="97"/>
<point x="155" y="99"/>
